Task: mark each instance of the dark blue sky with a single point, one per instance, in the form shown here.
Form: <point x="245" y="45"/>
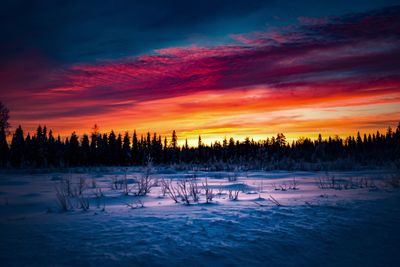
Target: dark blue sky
<point x="229" y="68"/>
<point x="84" y="31"/>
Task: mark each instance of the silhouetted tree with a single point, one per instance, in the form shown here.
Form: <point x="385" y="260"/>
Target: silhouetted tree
<point x="174" y="147"/>
<point x="84" y="155"/>
<point x="73" y="150"/>
<point x="4" y="149"/>
<point x="39" y="143"/>
<point x="51" y="150"/>
<point x="200" y="150"/>
<point x="126" y="150"/>
<point x="42" y="150"/>
<point x="17" y="148"/>
<point x="135" y="148"/>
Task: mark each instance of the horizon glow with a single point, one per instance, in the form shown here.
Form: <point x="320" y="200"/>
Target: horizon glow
<point x="332" y="75"/>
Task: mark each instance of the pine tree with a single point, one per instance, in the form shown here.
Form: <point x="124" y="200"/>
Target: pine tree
<point x="51" y="150"/>
<point x="17" y="148"/>
<point x="118" y="150"/>
<point x="147" y="146"/>
<point x="73" y="150"/>
<point x="60" y="151"/>
<point x="174" y="140"/>
<point x="112" y="148"/>
<point x="200" y="150"/>
<point x="231" y="148"/>
<point x="95" y="146"/>
<point x="39" y="153"/>
<point x="42" y="150"/>
<point x="165" y="151"/>
<point x="126" y="150"/>
<point x="85" y="151"/>
<point x="135" y="148"/>
<point x="174" y="147"/>
<point x="29" y="150"/>
<point x="4" y="149"/>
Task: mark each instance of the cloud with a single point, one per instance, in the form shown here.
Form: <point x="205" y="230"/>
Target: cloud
<point x="362" y="47"/>
<point x="349" y="57"/>
<point x="80" y="31"/>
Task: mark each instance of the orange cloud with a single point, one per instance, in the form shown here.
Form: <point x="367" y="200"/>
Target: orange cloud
<point x="327" y="76"/>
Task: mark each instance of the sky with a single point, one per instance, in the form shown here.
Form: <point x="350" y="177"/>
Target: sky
<point x="209" y="68"/>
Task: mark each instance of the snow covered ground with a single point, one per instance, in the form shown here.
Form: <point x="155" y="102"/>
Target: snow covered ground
<point x="279" y="219"/>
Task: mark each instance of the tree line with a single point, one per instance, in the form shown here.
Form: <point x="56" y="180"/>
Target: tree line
<point x="43" y="149"/>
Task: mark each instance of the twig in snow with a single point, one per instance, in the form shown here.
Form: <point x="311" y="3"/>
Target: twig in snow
<point x="273" y="200"/>
<point x="259" y="204"/>
<point x="136" y="205"/>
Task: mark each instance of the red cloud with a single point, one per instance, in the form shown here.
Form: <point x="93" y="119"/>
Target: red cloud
<point x="350" y="57"/>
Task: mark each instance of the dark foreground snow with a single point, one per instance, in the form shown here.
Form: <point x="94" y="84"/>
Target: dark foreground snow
<point x="314" y="227"/>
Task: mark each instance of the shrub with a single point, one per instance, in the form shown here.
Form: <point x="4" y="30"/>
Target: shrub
<point x="83" y="202"/>
<point x="294" y="184"/>
<point x="184" y="191"/>
<point x="194" y="190"/>
<point x="81" y="185"/>
<point x="145" y="183"/>
<point x="63" y="198"/>
<point x="168" y="188"/>
<point x="100" y="199"/>
<point x="208" y="192"/>
<point x="233" y="194"/>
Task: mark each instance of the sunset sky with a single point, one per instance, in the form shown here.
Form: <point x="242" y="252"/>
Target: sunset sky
<point x="209" y="68"/>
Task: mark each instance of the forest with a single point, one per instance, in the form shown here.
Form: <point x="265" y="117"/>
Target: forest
<point x="43" y="149"/>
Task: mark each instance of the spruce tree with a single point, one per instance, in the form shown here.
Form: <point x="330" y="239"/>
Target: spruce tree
<point x="17" y="148"/>
<point x="73" y="150"/>
<point x="126" y="150"/>
<point x="51" y="147"/>
<point x="39" y="153"/>
<point x="174" y="147"/>
<point x="112" y="148"/>
<point x="118" y="151"/>
<point x="135" y="148"/>
<point x="84" y="151"/>
<point x="95" y="146"/>
<point x="4" y="149"/>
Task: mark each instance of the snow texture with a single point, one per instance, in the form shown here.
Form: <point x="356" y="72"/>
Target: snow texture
<point x="279" y="219"/>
